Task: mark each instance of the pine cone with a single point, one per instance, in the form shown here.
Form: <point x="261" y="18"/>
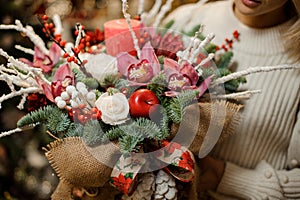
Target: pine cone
<point x="144" y="189"/>
<point x="165" y="187"/>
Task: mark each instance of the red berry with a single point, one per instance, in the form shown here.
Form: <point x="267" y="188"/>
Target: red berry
<point x="44" y="17"/>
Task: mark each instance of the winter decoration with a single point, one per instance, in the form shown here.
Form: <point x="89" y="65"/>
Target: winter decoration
<point x="126" y="125"/>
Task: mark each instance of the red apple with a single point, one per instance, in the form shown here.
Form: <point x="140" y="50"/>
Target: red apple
<point x="142" y="103"/>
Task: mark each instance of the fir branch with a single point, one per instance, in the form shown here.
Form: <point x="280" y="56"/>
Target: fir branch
<point x="109" y="80"/>
<point x="56" y="120"/>
<point x="91" y="83"/>
<point x="92" y="132"/>
<point x="112" y="134"/>
<point x="176" y="108"/>
<point x="225" y="59"/>
<point x="157" y="84"/>
<point x="164" y="126"/>
<point x="128" y="144"/>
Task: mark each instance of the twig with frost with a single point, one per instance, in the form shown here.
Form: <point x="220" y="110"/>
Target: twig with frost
<point x="141" y="7"/>
<point x="200" y="47"/>
<point x="165" y="8"/>
<point x="22" y="101"/>
<point x="146" y="17"/>
<point x="25" y="50"/>
<point x="127" y="17"/>
<point x="28" y="31"/>
<point x="81" y="34"/>
<point x="57" y="23"/>
<point x="238" y="95"/>
<point x="37" y="72"/>
<point x="252" y="70"/>
<point x="20" y="93"/>
<point x="16" y="130"/>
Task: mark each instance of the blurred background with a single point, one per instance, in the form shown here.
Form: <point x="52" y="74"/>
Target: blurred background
<point x="24" y="171"/>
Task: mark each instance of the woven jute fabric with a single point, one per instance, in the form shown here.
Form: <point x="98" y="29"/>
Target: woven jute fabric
<point x="204" y="117"/>
<point x="78" y="165"/>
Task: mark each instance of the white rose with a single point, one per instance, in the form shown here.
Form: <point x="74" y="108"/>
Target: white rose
<point x="114" y="108"/>
<point x="101" y="65"/>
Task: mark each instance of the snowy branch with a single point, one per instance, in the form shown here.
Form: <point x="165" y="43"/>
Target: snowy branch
<point x="127" y="17"/>
<point x="28" y="31"/>
<point x="252" y="70"/>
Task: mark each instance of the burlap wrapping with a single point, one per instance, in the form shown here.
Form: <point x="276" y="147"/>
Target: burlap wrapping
<point x="78" y="165"/>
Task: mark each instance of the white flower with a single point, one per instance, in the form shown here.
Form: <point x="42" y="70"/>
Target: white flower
<point x="101" y="65"/>
<point x="114" y="108"/>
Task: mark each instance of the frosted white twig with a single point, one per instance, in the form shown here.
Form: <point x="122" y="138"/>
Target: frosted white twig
<point x="81" y="33"/>
<point x="200" y="47"/>
<point x="24" y="67"/>
<point x="16" y="130"/>
<point x="19" y="93"/>
<point x="7" y="133"/>
<point x="165" y="8"/>
<point x="28" y="31"/>
<point x="141" y="7"/>
<point x="153" y="12"/>
<point x="25" y="50"/>
<point x="57" y="23"/>
<point x="127" y="17"/>
<point x="239" y="95"/>
<point x="252" y="70"/>
<point x="23" y="101"/>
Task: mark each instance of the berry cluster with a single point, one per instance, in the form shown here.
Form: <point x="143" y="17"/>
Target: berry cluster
<point x="229" y="42"/>
<point x="80" y="102"/>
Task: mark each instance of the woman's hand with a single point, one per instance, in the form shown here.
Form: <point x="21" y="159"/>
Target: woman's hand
<point x="211" y="173"/>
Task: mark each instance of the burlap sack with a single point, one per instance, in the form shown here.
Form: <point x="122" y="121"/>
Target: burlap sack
<point x="218" y="116"/>
<point x="80" y="166"/>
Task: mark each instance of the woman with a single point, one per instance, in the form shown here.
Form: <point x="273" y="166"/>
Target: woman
<point x="262" y="160"/>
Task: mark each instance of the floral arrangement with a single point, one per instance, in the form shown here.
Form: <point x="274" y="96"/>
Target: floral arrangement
<point x="130" y="99"/>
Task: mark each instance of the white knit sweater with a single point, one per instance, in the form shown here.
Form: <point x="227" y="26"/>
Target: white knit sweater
<point x="263" y="156"/>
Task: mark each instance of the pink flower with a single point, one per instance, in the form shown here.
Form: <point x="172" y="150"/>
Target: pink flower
<point x="142" y="70"/>
<point x="45" y="62"/>
<point x="61" y="79"/>
<point x="183" y="77"/>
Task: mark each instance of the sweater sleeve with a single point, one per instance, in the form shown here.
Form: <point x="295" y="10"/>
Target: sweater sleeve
<point x="259" y="183"/>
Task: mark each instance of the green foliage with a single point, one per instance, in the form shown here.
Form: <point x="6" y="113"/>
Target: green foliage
<point x="132" y="134"/>
<point x="157" y="85"/>
<point x="88" y="81"/>
<point x="92" y="132"/>
<point x="56" y="121"/>
<point x="108" y="81"/>
<point x="225" y="59"/>
<point x="166" y="27"/>
<point x="176" y="108"/>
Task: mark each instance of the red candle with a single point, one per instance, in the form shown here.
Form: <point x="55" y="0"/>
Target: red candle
<point x="118" y="37"/>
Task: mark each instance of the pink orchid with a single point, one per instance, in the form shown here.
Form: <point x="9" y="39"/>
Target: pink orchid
<point x="45" y="62"/>
<point x="61" y="79"/>
<point x="142" y="70"/>
<point x="183" y="77"/>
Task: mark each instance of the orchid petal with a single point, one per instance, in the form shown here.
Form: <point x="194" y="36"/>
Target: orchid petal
<point x="54" y="53"/>
<point x="204" y="86"/>
<point x="170" y="67"/>
<point x="124" y="60"/>
<point x="188" y="70"/>
<point x="148" y="53"/>
<point x="62" y="72"/>
<point x="46" y="88"/>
